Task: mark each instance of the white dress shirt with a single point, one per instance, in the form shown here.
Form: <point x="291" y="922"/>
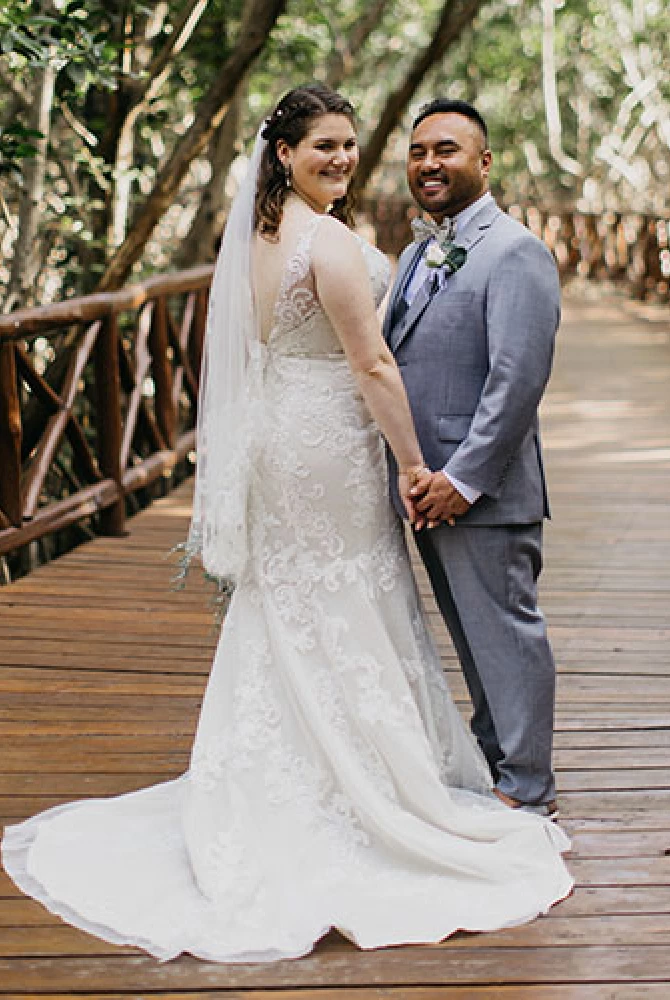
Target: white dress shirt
<point x="421" y="273"/>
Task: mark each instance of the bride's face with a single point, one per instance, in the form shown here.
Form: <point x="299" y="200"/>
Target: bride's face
<point x="323" y="163"/>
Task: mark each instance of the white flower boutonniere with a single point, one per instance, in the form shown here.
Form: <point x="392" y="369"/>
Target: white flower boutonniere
<point x="435" y="255"/>
<point x="447" y="255"/>
<point x="441" y="251"/>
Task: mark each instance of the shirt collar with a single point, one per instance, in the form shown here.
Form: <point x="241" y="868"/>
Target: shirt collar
<point x="462" y="218"/>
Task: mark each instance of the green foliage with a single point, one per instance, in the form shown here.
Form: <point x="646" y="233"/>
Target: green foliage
<point x="74" y="37"/>
<point x="610" y="77"/>
<point x="16" y="145"/>
<point x="605" y="117"/>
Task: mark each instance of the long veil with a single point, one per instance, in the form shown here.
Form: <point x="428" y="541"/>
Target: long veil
<point x="230" y="399"/>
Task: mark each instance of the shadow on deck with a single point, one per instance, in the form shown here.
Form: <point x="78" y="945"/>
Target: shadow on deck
<point x="103" y="666"/>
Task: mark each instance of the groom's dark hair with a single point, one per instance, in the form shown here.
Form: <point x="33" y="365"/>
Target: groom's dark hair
<point x="444" y="106"/>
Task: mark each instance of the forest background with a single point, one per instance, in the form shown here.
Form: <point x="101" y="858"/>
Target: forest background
<point x="124" y="124"/>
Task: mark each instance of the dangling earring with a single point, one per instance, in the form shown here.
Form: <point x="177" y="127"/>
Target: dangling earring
<point x="288" y="174"/>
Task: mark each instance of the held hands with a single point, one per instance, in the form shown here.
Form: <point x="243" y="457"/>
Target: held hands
<point x="430" y="498"/>
<point x="408" y="480"/>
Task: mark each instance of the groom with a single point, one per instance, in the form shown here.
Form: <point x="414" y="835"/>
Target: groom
<point x="472" y="330"/>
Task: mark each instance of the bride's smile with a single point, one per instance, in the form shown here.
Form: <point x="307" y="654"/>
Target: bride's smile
<point x="322" y="164"/>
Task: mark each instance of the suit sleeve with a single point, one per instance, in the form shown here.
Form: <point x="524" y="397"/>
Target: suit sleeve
<point x="522" y="310"/>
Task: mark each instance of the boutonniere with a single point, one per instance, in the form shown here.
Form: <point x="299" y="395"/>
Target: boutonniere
<point x="441" y="251"/>
<point x="446" y="255"/>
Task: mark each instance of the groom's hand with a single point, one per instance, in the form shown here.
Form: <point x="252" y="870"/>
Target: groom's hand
<point x="435" y="500"/>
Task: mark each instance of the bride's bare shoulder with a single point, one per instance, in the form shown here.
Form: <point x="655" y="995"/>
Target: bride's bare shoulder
<point x="334" y="243"/>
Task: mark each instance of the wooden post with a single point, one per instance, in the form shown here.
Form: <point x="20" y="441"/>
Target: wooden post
<point x="637" y="270"/>
<point x="162" y="371"/>
<point x="10" y="438"/>
<point x="653" y="272"/>
<point x="108" y="384"/>
<point x="197" y="332"/>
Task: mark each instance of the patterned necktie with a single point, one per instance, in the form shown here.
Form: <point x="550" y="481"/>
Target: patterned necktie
<point x="428" y="229"/>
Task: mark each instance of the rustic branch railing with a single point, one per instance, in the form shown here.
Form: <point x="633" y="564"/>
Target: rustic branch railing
<point x="630" y="250"/>
<point x="98" y="395"/>
<point x="98" y="398"/>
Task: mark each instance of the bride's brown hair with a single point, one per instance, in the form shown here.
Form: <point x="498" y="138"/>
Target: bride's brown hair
<point x="291" y="121"/>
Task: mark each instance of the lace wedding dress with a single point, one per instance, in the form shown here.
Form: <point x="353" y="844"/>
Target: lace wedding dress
<point x="332" y="782"/>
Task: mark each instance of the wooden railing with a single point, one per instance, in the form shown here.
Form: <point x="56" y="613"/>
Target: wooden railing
<point x="632" y="251"/>
<point x="98" y="395"/>
<point x="98" y="398"/>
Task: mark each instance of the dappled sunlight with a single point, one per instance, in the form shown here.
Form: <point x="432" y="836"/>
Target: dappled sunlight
<point x="635" y="456"/>
<point x="641" y="338"/>
<point x="178" y="512"/>
<point x="571" y="424"/>
<point x="608" y="408"/>
<point x="608" y="403"/>
<point x="578" y="438"/>
<point x="604" y="312"/>
<point x="627" y="335"/>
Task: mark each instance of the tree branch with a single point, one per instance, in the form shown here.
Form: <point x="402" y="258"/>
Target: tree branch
<point x="77" y="127"/>
<point x="199" y="246"/>
<point x="341" y="61"/>
<point x="551" y="105"/>
<point x="254" y="30"/>
<point x="159" y="68"/>
<point x="156" y="75"/>
<point x="19" y="92"/>
<point x="26" y="250"/>
<point x="455" y="17"/>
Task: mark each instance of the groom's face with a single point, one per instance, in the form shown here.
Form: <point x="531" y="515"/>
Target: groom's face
<point x="448" y="164"/>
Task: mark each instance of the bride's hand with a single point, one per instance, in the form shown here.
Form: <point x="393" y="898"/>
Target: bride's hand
<point x="410" y="480"/>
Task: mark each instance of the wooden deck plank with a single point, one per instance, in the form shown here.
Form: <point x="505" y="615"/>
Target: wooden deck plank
<point x="580" y="991"/>
<point x="576" y="770"/>
<point x="56" y="939"/>
<point x="102" y="668"/>
<point x="334" y="965"/>
<point x="98" y="779"/>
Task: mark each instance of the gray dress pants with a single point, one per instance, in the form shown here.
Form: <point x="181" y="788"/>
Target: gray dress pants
<point x="485" y="583"/>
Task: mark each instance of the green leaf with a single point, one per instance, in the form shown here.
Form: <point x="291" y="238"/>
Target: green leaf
<point x="24" y="151"/>
<point x="21" y="131"/>
<point x="456" y="258"/>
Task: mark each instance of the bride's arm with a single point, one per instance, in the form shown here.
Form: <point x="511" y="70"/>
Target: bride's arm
<point x="344" y="290"/>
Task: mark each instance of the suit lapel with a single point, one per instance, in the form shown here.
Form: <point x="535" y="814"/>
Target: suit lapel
<point x="474" y="233"/>
<point x="411" y="317"/>
<point x="411" y="257"/>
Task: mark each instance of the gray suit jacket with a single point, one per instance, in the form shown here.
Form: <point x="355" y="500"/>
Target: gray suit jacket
<point x="475" y="360"/>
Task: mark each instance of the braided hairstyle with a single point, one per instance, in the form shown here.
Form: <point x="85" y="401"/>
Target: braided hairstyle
<point x="292" y="120"/>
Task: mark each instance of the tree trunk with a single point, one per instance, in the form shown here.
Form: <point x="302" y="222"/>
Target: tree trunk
<point x="347" y="49"/>
<point x="157" y="72"/>
<point x="26" y="259"/>
<point x="200" y="245"/>
<point x="455" y="17"/>
<point x="254" y="30"/>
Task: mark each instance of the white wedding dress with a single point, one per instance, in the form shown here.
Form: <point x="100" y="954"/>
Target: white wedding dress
<point x="332" y="782"/>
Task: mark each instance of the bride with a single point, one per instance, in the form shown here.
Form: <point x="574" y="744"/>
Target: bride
<point x="332" y="783"/>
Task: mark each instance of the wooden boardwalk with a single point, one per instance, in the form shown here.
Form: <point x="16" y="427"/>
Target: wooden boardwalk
<point x="102" y="669"/>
